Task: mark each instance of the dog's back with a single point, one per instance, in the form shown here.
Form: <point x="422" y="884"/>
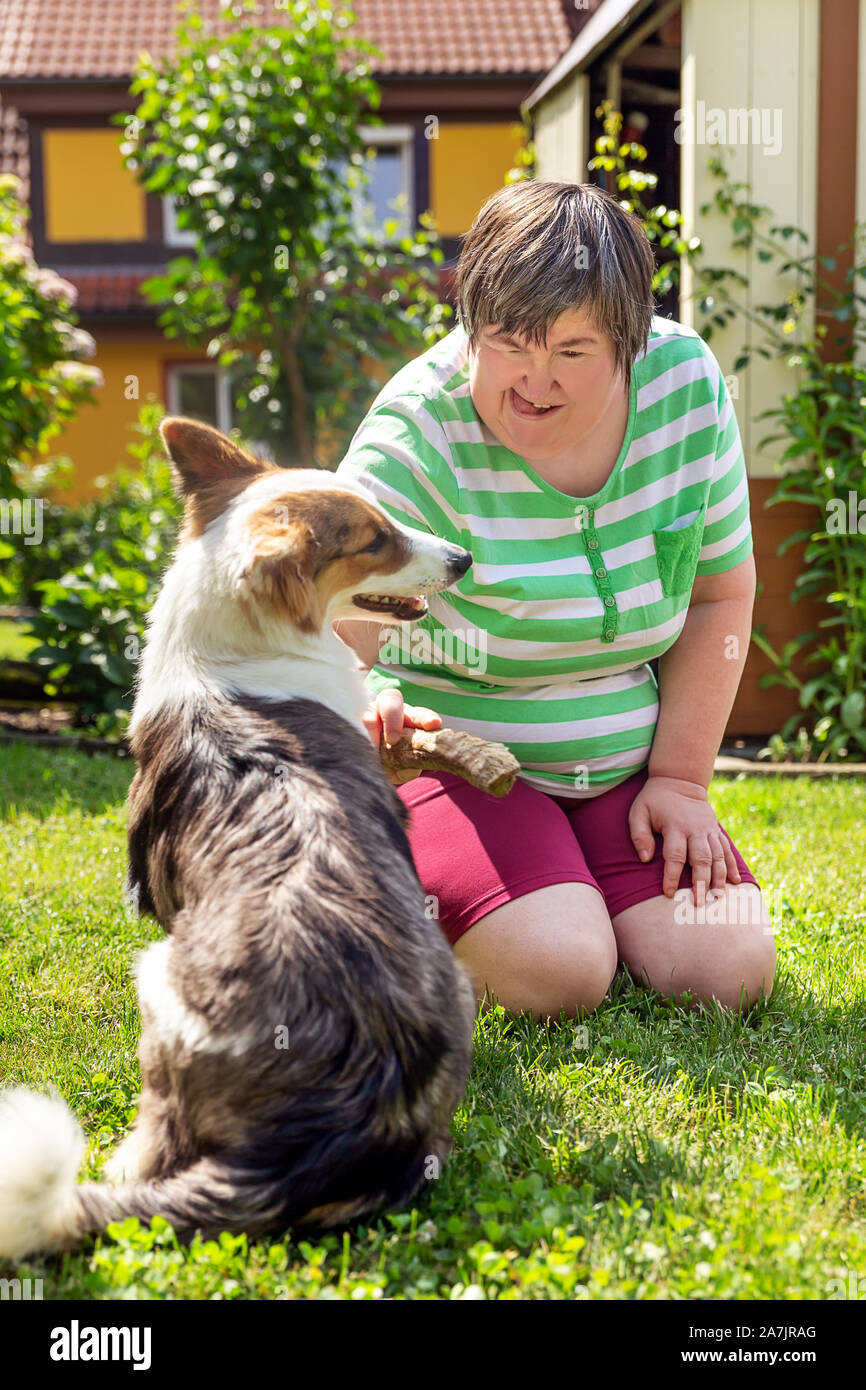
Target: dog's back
<point x="306" y="1013"/>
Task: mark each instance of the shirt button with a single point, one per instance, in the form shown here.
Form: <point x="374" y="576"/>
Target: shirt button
<point x="607" y="635"/>
<point x="601" y="572"/>
<point x="610" y="601"/>
<point x="593" y="545"/>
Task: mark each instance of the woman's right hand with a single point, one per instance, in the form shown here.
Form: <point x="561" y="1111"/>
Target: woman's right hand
<point x="386" y="719"/>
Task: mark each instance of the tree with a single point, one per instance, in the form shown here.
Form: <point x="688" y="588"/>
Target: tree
<point x="253" y="130"/>
<point x="42" y="382"/>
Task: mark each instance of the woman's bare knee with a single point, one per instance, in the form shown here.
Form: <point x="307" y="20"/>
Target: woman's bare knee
<point x="725" y="951"/>
<point x="550" y="951"/>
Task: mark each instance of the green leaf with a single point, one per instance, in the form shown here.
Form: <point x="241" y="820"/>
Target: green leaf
<point x="852" y="709"/>
<point x="118" y="670"/>
<point x="70" y="611"/>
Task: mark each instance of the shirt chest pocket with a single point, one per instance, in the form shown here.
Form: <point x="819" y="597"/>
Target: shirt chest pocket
<point x="677" y="548"/>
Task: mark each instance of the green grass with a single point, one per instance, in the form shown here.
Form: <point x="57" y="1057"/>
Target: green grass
<point x="15" y="643"/>
<point x="679" y="1155"/>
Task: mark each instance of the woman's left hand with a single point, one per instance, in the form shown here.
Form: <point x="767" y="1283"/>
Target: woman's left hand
<point x="681" y="813"/>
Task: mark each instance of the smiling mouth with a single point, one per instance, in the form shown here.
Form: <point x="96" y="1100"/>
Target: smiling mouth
<point x="526" y="410"/>
<point x="404" y="608"/>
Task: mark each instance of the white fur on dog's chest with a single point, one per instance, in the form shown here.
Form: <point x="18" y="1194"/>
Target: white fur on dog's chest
<point x="196" y="646"/>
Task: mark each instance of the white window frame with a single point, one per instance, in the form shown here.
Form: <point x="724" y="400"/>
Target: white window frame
<point x="223" y="389"/>
<point x="403" y="137"/>
<point x="174" y="235"/>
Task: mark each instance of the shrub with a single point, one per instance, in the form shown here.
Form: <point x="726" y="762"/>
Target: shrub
<point x="92" y="619"/>
<point x="41" y="381"/>
<point x="621" y="164"/>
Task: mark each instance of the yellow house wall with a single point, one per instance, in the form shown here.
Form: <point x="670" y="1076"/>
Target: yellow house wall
<point x="89" y="195"/>
<point x="468" y="162"/>
<point x="97" y="439"/>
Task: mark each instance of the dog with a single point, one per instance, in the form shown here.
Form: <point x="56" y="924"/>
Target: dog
<point x="306" y="1028"/>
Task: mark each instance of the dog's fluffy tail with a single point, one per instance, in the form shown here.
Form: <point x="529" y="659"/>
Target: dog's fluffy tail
<point x="43" y="1208"/>
<point x="41" y="1147"/>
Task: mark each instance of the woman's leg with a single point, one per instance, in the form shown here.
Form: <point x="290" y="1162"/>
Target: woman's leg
<point x="723" y="950"/>
<point x="548" y="951"/>
<point x="512" y="892"/>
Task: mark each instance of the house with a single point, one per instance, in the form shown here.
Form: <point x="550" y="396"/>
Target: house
<point x="462" y="68"/>
<point x="773" y="85"/>
<point x="451" y="70"/>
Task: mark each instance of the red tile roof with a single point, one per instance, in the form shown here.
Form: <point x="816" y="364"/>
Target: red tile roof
<point x="464" y="36"/>
<point x="101" y="38"/>
<point x="111" y="291"/>
<point x="118" y="291"/>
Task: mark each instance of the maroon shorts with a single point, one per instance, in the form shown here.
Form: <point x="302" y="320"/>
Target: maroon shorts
<point x="474" y="851"/>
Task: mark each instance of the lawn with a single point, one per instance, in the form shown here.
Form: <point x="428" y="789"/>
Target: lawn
<point x="660" y="1154"/>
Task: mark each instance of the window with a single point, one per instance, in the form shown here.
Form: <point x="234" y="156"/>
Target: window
<point x="173" y="234"/>
<point x="391" y="172"/>
<point x="202" y="392"/>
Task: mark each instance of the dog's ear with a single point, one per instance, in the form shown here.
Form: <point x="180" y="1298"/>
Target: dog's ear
<point x="202" y="456"/>
<point x="281" y="570"/>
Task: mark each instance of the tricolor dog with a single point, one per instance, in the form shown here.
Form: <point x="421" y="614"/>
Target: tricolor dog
<point x="306" y="1029"/>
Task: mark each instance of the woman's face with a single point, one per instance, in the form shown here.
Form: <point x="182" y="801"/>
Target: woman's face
<point x="574" y="378"/>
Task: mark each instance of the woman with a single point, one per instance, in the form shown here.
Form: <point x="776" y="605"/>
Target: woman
<point x="588" y="454"/>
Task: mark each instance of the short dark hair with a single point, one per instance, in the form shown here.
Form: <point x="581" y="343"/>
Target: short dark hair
<point x="538" y="249"/>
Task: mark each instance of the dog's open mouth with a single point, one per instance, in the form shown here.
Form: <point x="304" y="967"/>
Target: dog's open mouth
<point x="403" y="608"/>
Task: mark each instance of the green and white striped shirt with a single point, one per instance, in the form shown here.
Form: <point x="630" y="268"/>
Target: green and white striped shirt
<point x="544" y="644"/>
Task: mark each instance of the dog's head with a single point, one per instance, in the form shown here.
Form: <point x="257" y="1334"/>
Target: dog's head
<point x="298" y="544"/>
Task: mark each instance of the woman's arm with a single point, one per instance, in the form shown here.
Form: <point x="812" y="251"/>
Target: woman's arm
<point x="700" y="673"/>
<point x="698" y="679"/>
